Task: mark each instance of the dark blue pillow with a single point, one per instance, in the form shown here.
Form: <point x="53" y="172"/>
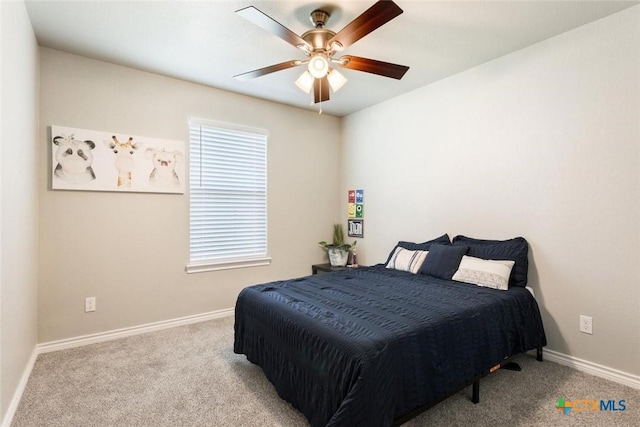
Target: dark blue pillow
<point x="443" y="261"/>
<point x="443" y="240"/>
<point x="516" y="249"/>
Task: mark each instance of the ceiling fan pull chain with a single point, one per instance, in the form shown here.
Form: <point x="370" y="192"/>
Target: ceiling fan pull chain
<point x="320" y="87"/>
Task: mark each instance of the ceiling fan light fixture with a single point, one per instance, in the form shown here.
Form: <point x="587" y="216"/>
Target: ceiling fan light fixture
<point x="336" y="80"/>
<point x="305" y="82"/>
<point x="318" y="65"/>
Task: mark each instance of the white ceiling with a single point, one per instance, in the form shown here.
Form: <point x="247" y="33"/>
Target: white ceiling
<point x="207" y="43"/>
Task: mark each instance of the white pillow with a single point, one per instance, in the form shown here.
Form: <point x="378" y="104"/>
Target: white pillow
<point x="484" y="272"/>
<point x="406" y="260"/>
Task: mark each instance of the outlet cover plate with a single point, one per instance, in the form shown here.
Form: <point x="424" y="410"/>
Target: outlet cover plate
<point x="586" y="324"/>
<point x="89" y="304"/>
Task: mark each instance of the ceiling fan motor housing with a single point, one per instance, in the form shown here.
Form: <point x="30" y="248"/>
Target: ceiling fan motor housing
<point x="318" y="38"/>
<point x="319" y="18"/>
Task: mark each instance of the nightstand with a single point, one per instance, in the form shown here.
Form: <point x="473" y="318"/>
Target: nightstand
<point x="325" y="268"/>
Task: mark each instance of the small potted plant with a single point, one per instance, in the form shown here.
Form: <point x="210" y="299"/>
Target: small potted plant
<point x="337" y="250"/>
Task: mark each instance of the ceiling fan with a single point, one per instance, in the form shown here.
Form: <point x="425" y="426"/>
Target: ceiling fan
<point x="321" y="44"/>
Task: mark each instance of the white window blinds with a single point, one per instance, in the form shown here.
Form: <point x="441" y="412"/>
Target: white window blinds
<point x="228" y="195"/>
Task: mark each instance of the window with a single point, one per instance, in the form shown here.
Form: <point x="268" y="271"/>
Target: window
<point x="228" y="196"/>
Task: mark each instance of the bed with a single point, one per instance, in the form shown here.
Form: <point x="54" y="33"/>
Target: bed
<point x="368" y="346"/>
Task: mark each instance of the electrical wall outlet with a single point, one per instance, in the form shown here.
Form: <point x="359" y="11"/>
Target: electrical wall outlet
<point x="586" y="324"/>
<point x="89" y="304"/>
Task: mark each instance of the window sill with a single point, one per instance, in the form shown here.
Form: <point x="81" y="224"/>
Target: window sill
<point x="227" y="265"/>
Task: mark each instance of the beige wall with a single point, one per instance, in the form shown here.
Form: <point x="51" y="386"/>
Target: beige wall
<point x="543" y="143"/>
<point x="19" y="213"/>
<point x="130" y="250"/>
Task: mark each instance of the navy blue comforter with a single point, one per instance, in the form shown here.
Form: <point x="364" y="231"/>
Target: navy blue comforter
<point x="362" y="347"/>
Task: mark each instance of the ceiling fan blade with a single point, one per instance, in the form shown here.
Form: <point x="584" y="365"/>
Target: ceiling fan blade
<point x="264" y="21"/>
<point x="267" y="70"/>
<point x="380" y="68"/>
<point x="376" y="16"/>
<point x="320" y="90"/>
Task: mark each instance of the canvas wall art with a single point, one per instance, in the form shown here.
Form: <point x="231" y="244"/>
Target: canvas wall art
<point x="91" y="160"/>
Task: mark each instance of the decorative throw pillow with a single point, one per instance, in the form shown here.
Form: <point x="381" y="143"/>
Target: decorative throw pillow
<point x="516" y="249"/>
<point x="443" y="240"/>
<point x="443" y="260"/>
<point x="483" y="272"/>
<point x="406" y="260"/>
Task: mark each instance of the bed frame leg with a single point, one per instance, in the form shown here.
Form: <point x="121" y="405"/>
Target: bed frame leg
<point x="539" y="354"/>
<point x="475" y="398"/>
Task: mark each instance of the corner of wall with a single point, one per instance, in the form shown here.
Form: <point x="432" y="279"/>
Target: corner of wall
<point x="19" y="77"/>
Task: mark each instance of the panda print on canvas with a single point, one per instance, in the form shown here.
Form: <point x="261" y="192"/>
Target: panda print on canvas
<point x="83" y="159"/>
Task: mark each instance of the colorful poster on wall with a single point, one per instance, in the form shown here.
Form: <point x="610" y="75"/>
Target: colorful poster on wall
<point x="351" y="210"/>
<point x="355" y="213"/>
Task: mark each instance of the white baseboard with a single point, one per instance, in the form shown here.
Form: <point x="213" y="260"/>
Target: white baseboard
<point x="595" y="369"/>
<point x="134" y="330"/>
<point x="17" y="396"/>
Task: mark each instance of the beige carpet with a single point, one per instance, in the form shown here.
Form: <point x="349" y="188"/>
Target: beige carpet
<point x="189" y="376"/>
